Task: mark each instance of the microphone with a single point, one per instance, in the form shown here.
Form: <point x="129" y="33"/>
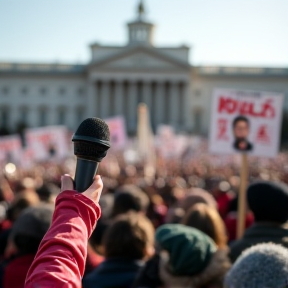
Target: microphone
<point x="91" y="143"/>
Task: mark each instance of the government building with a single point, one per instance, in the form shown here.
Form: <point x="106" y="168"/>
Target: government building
<point x="118" y="78"/>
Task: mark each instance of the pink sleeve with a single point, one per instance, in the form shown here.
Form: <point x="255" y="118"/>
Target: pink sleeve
<point x="60" y="260"/>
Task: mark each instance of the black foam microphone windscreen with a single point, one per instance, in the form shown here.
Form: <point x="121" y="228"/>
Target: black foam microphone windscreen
<point x="91" y="143"/>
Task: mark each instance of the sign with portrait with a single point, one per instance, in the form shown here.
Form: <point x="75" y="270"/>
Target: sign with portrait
<point x="245" y="122"/>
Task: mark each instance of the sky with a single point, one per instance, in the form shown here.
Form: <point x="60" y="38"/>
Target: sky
<point x="219" y="32"/>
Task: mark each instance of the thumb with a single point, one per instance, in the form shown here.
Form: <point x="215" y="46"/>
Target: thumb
<point x="66" y="183"/>
<point x="94" y="191"/>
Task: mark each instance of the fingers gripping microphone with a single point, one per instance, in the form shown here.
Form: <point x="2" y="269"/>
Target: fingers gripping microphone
<point x="91" y="143"/>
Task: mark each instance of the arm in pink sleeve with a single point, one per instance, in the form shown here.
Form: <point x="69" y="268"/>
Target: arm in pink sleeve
<point x="60" y="260"/>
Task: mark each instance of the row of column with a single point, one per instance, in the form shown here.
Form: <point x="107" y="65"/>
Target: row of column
<point x="166" y="101"/>
<point x="41" y="116"/>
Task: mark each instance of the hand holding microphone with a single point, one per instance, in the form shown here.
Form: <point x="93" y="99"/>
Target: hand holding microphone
<point x="93" y="192"/>
<point x="91" y="143"/>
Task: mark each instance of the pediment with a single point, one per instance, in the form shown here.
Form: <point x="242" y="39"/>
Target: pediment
<point x="140" y="58"/>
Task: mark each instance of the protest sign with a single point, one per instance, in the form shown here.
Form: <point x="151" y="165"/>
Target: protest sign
<point x="47" y="142"/>
<point x="249" y="123"/>
<point x="245" y="121"/>
<point x="169" y="144"/>
<point x="10" y="148"/>
<point x="118" y="136"/>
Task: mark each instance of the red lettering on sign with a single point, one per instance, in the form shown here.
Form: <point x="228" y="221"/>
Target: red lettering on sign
<point x="242" y="107"/>
<point x="262" y="134"/>
<point x="222" y="129"/>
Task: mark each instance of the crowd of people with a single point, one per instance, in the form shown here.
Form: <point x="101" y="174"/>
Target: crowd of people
<point x="170" y="224"/>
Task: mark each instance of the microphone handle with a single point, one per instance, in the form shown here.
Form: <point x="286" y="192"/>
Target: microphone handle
<point x="85" y="173"/>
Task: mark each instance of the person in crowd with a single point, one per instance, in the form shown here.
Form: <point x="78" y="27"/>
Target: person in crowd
<point x="47" y="192"/>
<point x="268" y="201"/>
<point x="25" y="237"/>
<point x="186" y="258"/>
<point x="129" y="197"/>
<point x="231" y="219"/>
<point x="207" y="220"/>
<point x="127" y="243"/>
<point x="22" y="200"/>
<point x="193" y="196"/>
<point x="60" y="260"/>
<point x="95" y="248"/>
<point x="262" y="265"/>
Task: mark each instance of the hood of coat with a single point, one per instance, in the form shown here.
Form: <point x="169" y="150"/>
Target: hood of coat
<point x="213" y="274"/>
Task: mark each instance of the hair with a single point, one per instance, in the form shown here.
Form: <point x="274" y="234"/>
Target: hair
<point x="207" y="220"/>
<point x="128" y="237"/>
<point x="22" y="200"/>
<point x="27" y="244"/>
<point x="130" y="197"/>
<point x="240" y="118"/>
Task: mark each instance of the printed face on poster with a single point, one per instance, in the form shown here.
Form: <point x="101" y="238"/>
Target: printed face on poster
<point x="245" y="122"/>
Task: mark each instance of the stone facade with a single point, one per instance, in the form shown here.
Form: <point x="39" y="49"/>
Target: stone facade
<point x="117" y="79"/>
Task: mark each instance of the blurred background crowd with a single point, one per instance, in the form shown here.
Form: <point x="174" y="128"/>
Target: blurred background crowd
<point x="191" y="191"/>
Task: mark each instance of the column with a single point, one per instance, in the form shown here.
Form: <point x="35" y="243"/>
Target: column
<point x="132" y="115"/>
<point x="147" y="94"/>
<point x="104" y="103"/>
<point x="174" y="104"/>
<point x="119" y="98"/>
<point x="185" y="108"/>
<point x="159" y="111"/>
<point x="92" y="100"/>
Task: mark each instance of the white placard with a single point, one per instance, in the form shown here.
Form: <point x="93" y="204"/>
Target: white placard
<point x="245" y="122"/>
<point x="118" y="136"/>
<point x="47" y="142"/>
<point x="10" y="148"/>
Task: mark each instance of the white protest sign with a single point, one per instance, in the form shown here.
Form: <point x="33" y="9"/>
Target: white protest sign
<point x="10" y="148"/>
<point x="118" y="136"/>
<point x="47" y="142"/>
<point x="169" y="144"/>
<point x="245" y="122"/>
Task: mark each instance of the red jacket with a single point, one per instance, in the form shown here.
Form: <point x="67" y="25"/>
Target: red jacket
<point x="60" y="260"/>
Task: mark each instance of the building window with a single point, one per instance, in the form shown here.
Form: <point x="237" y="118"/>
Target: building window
<point x="5" y="90"/>
<point x="4" y="117"/>
<point x="81" y="92"/>
<point x="62" y="91"/>
<point x="23" y="115"/>
<point x="24" y="91"/>
<point x="198" y="120"/>
<point x="43" y="91"/>
<point x="80" y="112"/>
<point x="197" y="93"/>
<point x="61" y="116"/>
<point x="43" y="113"/>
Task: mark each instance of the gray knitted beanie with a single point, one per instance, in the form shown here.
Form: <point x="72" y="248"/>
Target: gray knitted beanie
<point x="261" y="266"/>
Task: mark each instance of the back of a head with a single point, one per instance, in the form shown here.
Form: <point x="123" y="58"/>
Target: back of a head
<point x="47" y="192"/>
<point x="263" y="265"/>
<point x="207" y="220"/>
<point x="24" y="199"/>
<point x="129" y="237"/>
<point x="187" y="254"/>
<point x="30" y="227"/>
<point x="268" y="201"/>
<point x="129" y="197"/>
<point x="197" y="195"/>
